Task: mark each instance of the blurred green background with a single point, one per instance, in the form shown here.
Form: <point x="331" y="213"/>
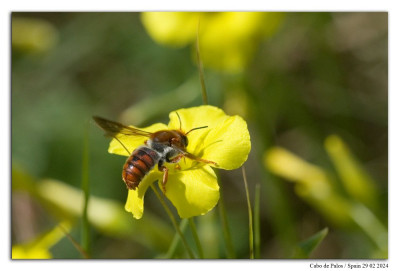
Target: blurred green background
<point x="313" y="76"/>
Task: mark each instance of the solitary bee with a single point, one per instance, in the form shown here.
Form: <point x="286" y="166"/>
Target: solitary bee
<point x="164" y="146"/>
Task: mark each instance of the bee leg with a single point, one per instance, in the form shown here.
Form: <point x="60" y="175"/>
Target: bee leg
<point x="176" y="160"/>
<point x="165" y="176"/>
<point x="195" y="158"/>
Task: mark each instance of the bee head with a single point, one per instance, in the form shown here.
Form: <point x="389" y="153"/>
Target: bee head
<point x="185" y="140"/>
<point x="183" y="136"/>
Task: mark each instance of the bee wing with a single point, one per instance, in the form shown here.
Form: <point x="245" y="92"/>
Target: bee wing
<point x="113" y="128"/>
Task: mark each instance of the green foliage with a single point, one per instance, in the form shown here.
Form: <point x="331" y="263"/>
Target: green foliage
<point x="306" y="247"/>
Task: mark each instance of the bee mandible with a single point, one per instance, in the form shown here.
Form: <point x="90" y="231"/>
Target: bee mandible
<point x="164" y="146"/>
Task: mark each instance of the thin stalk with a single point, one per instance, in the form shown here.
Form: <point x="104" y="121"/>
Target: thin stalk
<point x="230" y="251"/>
<point x="173" y="220"/>
<point x="85" y="242"/>
<point x="200" y="66"/>
<point x="251" y="235"/>
<point x="174" y="244"/>
<point x="257" y="222"/>
<point x="196" y="237"/>
<point x="75" y="243"/>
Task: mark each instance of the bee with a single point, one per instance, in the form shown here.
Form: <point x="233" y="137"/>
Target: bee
<point x="164" y="146"/>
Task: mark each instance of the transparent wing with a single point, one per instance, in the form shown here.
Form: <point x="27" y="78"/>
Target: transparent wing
<point x="113" y="128"/>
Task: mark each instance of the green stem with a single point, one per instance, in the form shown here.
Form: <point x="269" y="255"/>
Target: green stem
<point x="78" y="247"/>
<point x="196" y="237"/>
<point x="174" y="244"/>
<point x="85" y="188"/>
<point x="257" y="222"/>
<point x="230" y="252"/>
<point x="251" y="236"/>
<point x="174" y="222"/>
<point x="200" y="66"/>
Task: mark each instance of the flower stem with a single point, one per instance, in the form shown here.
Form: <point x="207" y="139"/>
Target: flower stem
<point x="251" y="236"/>
<point x="230" y="252"/>
<point x="174" y="245"/>
<point x="174" y="222"/>
<point x="196" y="237"/>
<point x="257" y="222"/>
<point x="85" y="241"/>
<point x="200" y="66"/>
<point x="74" y="243"/>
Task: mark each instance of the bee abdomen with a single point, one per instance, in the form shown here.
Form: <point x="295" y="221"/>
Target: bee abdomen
<point x="141" y="161"/>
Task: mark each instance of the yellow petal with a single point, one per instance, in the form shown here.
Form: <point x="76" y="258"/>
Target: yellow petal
<point x="229" y="39"/>
<point x="193" y="192"/>
<point x="20" y="252"/>
<point x="228" y="144"/>
<point x="225" y="141"/>
<point x="134" y="203"/>
<point x="130" y="143"/>
<point x="205" y="115"/>
<point x="40" y="247"/>
<point x="171" y="28"/>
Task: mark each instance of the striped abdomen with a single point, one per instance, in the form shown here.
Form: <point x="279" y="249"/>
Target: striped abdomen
<point x="141" y="161"/>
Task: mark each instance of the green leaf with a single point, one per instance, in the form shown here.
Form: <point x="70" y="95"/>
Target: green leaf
<point x="306" y="247"/>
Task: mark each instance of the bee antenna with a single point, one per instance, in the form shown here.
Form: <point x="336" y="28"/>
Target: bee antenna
<point x="202" y="127"/>
<point x="180" y="122"/>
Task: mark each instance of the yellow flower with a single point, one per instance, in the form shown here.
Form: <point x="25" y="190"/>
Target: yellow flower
<point x="228" y="40"/>
<point x="33" y="35"/>
<point x="40" y="247"/>
<point x="192" y="186"/>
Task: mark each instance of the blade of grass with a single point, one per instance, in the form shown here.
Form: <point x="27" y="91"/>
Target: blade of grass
<point x="230" y="251"/>
<point x="306" y="247"/>
<point x="85" y="242"/>
<point x="196" y="237"/>
<point x="75" y="243"/>
<point x="257" y="222"/>
<point x="251" y="235"/>
<point x="174" y="222"/>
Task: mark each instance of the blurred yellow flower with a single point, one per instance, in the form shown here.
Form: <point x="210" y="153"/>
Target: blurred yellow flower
<point x="40" y="247"/>
<point x="33" y="35"/>
<point x="228" y="40"/>
<point x="355" y="180"/>
<point x="192" y="187"/>
<point x="315" y="186"/>
<point x="312" y="183"/>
